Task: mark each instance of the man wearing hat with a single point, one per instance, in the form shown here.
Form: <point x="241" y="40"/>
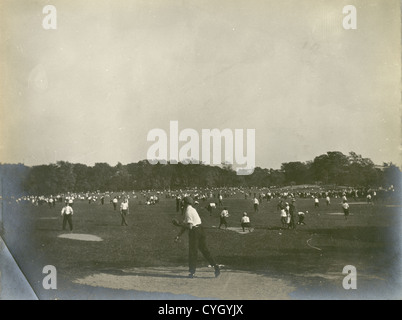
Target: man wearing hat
<point x="196" y="237"/>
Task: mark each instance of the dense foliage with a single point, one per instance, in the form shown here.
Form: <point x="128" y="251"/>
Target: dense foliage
<point x="332" y="168"/>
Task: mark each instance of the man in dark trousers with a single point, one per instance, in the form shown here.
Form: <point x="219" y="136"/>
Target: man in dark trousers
<point x="196" y="237"/>
<point x="292" y="213"/>
<point x="124" y="211"/>
<point x="178" y="199"/>
<point x="67" y="213"/>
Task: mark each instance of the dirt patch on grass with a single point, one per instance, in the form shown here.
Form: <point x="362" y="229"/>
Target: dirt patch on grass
<point x="80" y="236"/>
<point x="231" y="284"/>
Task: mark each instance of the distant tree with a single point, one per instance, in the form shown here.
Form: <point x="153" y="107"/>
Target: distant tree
<point x="120" y="178"/>
<point x="42" y="180"/>
<point x="330" y="168"/>
<point x="277" y="178"/>
<point x="362" y="171"/>
<point x="319" y="168"/>
<point x="65" y="177"/>
<point x="392" y="176"/>
<point x="100" y="176"/>
<point x="61" y="177"/>
<point x="82" y="174"/>
<point x="296" y="172"/>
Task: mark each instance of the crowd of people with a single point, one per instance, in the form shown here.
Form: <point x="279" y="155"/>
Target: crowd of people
<point x="214" y="198"/>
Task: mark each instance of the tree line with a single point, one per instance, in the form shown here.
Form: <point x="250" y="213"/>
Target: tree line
<point x="332" y="168"/>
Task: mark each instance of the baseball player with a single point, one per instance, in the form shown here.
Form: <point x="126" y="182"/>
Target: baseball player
<point x="256" y="204"/>
<point x="245" y="222"/>
<point x="222" y="219"/>
<point x="292" y="214"/>
<point x="301" y="215"/>
<point x="284" y="216"/>
<point x="345" y="207"/>
<point x="316" y="202"/>
<point x="196" y="237"/>
<point x="124" y="210"/>
<point x="115" y="201"/>
<point x="67" y="214"/>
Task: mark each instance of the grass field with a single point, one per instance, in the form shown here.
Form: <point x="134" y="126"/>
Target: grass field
<point x="142" y="261"/>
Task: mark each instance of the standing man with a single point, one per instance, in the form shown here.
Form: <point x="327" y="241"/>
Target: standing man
<point x="245" y="222"/>
<point x="67" y="214"/>
<point x="178" y="199"/>
<point x="316" y="202"/>
<point x="292" y="213"/>
<point x="124" y="211"/>
<point x="115" y="201"/>
<point x="345" y="207"/>
<point x="256" y="204"/>
<point x="210" y="207"/>
<point x="196" y="237"/>
<point x="222" y="219"/>
<point x="50" y="202"/>
<point x="328" y="200"/>
<point x="220" y="198"/>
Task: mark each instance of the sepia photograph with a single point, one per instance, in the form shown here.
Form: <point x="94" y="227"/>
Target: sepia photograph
<point x="199" y="150"/>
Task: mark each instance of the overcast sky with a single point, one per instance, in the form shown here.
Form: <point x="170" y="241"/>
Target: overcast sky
<point x="91" y="90"/>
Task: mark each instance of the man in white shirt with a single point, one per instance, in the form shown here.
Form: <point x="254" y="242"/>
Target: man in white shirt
<point x="345" y="207"/>
<point x="328" y="200"/>
<point x="196" y="237"/>
<point x="316" y="202"/>
<point x="67" y="214"/>
<point x="220" y="199"/>
<point x="256" y="204"/>
<point x="245" y="222"/>
<point x="124" y="211"/>
<point x="115" y="201"/>
<point x="301" y="218"/>
<point x="222" y="218"/>
<point x="368" y="199"/>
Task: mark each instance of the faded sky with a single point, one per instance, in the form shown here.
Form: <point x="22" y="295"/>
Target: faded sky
<point x="91" y="90"/>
